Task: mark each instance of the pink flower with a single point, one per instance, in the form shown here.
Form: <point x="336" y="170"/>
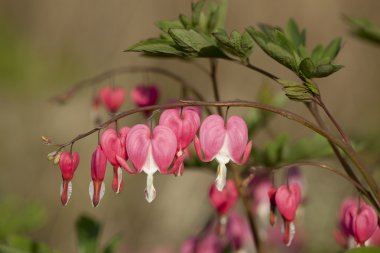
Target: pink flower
<point x="112" y="98"/>
<point x="362" y="220"/>
<point x="145" y="95"/>
<point x="150" y="152"/>
<point x="189" y="246"/>
<point x="113" y="146"/>
<point x="286" y="199"/>
<point x="223" y="142"/>
<point x="68" y="163"/>
<point x="184" y="123"/>
<point x="223" y="200"/>
<point x="98" y="170"/>
<point x="210" y="244"/>
<point x="237" y="231"/>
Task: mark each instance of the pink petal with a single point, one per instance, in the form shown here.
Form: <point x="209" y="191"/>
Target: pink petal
<point x="365" y="224"/>
<point x="164" y="146"/>
<point x="287" y="200"/>
<point x="145" y="95"/>
<point x="211" y="136"/>
<point x="137" y="145"/>
<point x="112" y="98"/>
<point x="223" y="200"/>
<point x="68" y="164"/>
<point x="237" y="132"/>
<point x="98" y="164"/>
<point x="117" y="181"/>
<point x="111" y="146"/>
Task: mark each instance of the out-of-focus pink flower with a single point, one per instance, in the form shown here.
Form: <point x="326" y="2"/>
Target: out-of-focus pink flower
<point x="286" y="199"/>
<point x="150" y="152"/>
<point x="237" y="231"/>
<point x="189" y="246"/>
<point x="112" y="98"/>
<point x="145" y="95"/>
<point x="295" y="176"/>
<point x="357" y="225"/>
<point x="210" y="244"/>
<point x="275" y="243"/>
<point x="184" y="123"/>
<point x="98" y="170"/>
<point x="223" y="142"/>
<point x="68" y="163"/>
<point x="113" y="146"/>
<point x="223" y="200"/>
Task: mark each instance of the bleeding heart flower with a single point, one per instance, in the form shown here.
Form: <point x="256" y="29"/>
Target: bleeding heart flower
<point x="189" y="246"/>
<point x="113" y="146"/>
<point x="237" y="231"/>
<point x="286" y="199"/>
<point x="67" y="164"/>
<point x="184" y="123"/>
<point x="223" y="200"/>
<point x="112" y="98"/>
<point x="145" y="95"/>
<point x="209" y="244"/>
<point x="223" y="142"/>
<point x="362" y="220"/>
<point x="273" y="206"/>
<point x="150" y="152"/>
<point x="98" y="170"/>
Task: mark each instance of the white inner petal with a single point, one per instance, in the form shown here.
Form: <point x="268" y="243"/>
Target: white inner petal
<point x="150" y="191"/>
<point x="91" y="192"/>
<point x="150" y="166"/>
<point x="102" y="191"/>
<point x="223" y="155"/>
<point x="292" y="232"/>
<point x="220" y="180"/>
<point x="119" y="179"/>
<point x="69" y="191"/>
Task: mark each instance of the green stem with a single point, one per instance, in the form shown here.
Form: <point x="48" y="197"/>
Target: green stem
<point x="213" y="75"/>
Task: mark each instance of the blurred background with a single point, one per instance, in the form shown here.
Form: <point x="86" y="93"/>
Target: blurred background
<point x="46" y="46"/>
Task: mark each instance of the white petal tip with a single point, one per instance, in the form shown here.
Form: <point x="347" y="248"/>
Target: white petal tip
<point x="220" y="180"/>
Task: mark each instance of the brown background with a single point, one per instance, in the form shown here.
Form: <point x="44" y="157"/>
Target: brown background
<point x="56" y="43"/>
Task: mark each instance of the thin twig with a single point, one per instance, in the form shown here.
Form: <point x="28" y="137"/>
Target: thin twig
<point x="213" y="75"/>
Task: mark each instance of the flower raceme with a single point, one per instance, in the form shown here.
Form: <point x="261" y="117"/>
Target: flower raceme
<point x="358" y="223"/>
<point x="113" y="145"/>
<point x="112" y="98"/>
<point x="184" y="122"/>
<point x="98" y="170"/>
<point x="68" y="163"/>
<point x="223" y="141"/>
<point x="286" y="200"/>
<point x="150" y="151"/>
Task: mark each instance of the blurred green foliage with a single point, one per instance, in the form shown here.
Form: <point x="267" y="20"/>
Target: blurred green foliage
<point x="364" y="28"/>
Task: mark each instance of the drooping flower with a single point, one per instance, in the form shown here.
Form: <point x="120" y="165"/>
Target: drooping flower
<point x="184" y="123"/>
<point x="67" y="164"/>
<point x="223" y="200"/>
<point x="112" y="98"/>
<point x="145" y="95"/>
<point x="98" y="170"/>
<point x="150" y="152"/>
<point x="113" y="146"/>
<point x="286" y="199"/>
<point x="223" y="142"/>
<point x="237" y="231"/>
<point x="360" y="222"/>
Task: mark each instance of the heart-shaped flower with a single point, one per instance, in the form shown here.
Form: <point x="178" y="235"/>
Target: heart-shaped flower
<point x="362" y="219"/>
<point x="286" y="199"/>
<point x="145" y="95"/>
<point x="184" y="123"/>
<point x="113" y="146"/>
<point x="223" y="200"/>
<point x="112" y="98"/>
<point x="98" y="170"/>
<point x="150" y="152"/>
<point x="68" y="163"/>
<point x="237" y="231"/>
<point x="223" y="142"/>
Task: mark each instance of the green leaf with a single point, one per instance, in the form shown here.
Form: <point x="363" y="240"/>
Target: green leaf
<point x="364" y="250"/>
<point x="326" y="70"/>
<point x="364" y="28"/>
<point x="112" y="245"/>
<point x="274" y="151"/>
<point x="332" y="49"/>
<point x="277" y="48"/>
<point x="193" y="42"/>
<point x="307" y="67"/>
<point x="156" y="47"/>
<point x="317" y="54"/>
<point x="294" y="34"/>
<point x="196" y="12"/>
<point x="165" y="25"/>
<point x="88" y="231"/>
<point x="238" y="45"/>
<point x="221" y="14"/>
<point x="185" y="21"/>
